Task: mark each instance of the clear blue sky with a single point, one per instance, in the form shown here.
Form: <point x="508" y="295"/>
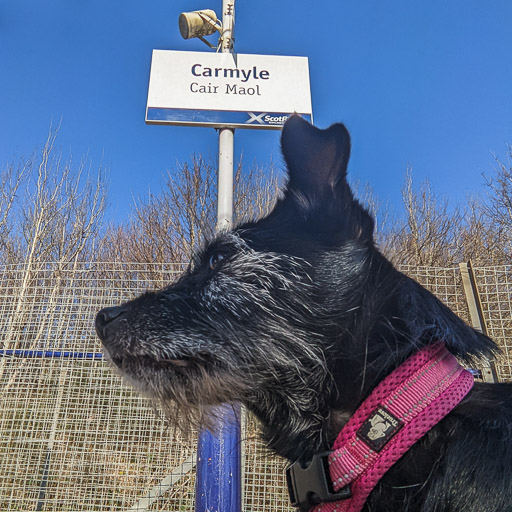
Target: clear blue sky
<point x="422" y="83"/>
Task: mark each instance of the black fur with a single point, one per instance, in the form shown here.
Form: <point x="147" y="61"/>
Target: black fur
<point x="299" y="316"/>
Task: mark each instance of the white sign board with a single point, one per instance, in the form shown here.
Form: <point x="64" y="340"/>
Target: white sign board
<point x="225" y="89"/>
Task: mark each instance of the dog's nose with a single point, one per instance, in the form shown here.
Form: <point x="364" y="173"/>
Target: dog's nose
<point x="105" y="317"/>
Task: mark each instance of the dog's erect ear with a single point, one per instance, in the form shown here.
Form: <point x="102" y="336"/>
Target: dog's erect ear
<point x="317" y="167"/>
<point x="317" y="159"/>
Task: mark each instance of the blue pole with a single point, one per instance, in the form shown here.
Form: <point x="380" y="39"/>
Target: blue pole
<point x="218" y="473"/>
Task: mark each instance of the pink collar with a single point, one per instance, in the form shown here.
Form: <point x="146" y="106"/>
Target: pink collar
<point x="400" y="410"/>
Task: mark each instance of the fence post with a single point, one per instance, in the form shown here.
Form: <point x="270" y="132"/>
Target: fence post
<point x="489" y="373"/>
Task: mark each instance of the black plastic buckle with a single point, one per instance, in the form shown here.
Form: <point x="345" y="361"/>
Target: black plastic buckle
<point x="310" y="484"/>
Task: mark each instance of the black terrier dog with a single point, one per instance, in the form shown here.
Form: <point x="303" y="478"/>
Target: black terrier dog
<point x="299" y="317"/>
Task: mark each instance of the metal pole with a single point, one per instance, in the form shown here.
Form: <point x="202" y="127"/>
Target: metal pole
<point x="476" y="313"/>
<point x="218" y="477"/>
<point x="226" y="135"/>
<point x="225" y="179"/>
<point x="218" y="473"/>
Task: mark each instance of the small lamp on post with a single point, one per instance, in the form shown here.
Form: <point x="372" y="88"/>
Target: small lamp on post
<point x="199" y="24"/>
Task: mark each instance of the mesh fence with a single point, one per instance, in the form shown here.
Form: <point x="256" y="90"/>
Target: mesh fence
<point x="73" y="437"/>
<point x="444" y="283"/>
<point x="495" y="289"/>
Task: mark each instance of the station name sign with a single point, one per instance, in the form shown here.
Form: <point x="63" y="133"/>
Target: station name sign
<point x="225" y="89"/>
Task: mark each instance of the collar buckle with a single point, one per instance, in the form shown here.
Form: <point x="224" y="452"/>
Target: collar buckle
<point x="310" y="484"/>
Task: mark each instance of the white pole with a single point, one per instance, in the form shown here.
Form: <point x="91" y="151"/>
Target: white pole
<point x="226" y="135"/>
<point x="225" y="179"/>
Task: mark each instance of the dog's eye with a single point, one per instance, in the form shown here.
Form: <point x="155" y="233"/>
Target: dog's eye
<point x="215" y="259"/>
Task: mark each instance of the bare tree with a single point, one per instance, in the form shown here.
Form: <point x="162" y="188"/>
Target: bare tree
<point x="11" y="178"/>
<point x="50" y="211"/>
<point x="429" y="234"/>
<point x="256" y="191"/>
<point x="62" y="209"/>
<point x="381" y="213"/>
<point x="479" y="240"/>
<point x="498" y="204"/>
<point x="167" y="227"/>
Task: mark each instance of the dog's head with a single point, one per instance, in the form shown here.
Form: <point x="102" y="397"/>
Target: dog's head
<point x="296" y="315"/>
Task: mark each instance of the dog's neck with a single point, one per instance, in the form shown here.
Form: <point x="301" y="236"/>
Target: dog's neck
<point x="298" y="433"/>
<point x="368" y="345"/>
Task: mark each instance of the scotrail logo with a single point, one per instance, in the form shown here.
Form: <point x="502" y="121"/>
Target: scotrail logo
<point x="256" y="118"/>
<point x="263" y="118"/>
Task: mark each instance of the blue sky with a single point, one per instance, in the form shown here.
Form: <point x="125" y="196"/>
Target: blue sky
<point x="427" y="84"/>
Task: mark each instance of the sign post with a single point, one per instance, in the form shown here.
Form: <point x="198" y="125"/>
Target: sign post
<point x="218" y="474"/>
<point x="225" y="91"/>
